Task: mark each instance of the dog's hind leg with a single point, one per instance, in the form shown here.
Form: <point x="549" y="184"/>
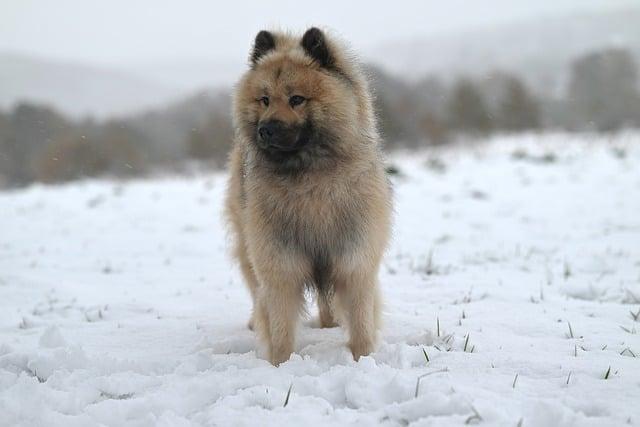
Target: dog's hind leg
<point x="325" y="311"/>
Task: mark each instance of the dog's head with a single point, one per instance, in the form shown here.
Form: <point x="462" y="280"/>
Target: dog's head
<point x="300" y="101"/>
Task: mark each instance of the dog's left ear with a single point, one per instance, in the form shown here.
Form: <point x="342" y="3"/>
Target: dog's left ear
<point x="262" y="45"/>
<point x="315" y="45"/>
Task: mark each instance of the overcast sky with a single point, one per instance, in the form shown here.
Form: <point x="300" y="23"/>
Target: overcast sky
<point x="119" y="32"/>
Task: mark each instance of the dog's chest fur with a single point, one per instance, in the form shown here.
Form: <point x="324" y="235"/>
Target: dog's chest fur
<point x="321" y="221"/>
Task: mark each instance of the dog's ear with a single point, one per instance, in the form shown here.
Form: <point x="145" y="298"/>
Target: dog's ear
<point x="264" y="43"/>
<point x="315" y="45"/>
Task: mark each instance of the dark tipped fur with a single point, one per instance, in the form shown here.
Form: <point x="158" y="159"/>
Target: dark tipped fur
<point x="264" y="43"/>
<point x="315" y="149"/>
<point x="316" y="47"/>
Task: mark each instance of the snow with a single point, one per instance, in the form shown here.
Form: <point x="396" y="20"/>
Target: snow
<point x="515" y="267"/>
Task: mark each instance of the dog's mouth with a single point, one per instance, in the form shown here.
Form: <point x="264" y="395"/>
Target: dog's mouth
<point x="284" y="155"/>
<point x="287" y="143"/>
<point x="284" y="148"/>
<point x="303" y="148"/>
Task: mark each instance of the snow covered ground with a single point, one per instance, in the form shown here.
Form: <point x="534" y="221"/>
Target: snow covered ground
<point x="515" y="268"/>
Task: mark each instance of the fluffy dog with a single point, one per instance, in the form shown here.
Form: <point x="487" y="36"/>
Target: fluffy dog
<point x="308" y="200"/>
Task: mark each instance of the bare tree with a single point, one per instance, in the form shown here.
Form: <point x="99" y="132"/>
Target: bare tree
<point x="468" y="111"/>
<point x="603" y="92"/>
<point x="212" y="140"/>
<point x="518" y="110"/>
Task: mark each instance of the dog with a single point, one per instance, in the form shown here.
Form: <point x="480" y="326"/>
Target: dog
<point x="308" y="200"/>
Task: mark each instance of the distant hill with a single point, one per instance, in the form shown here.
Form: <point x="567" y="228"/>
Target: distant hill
<point x="191" y="75"/>
<point x="169" y="127"/>
<point x="540" y="50"/>
<point x="77" y="90"/>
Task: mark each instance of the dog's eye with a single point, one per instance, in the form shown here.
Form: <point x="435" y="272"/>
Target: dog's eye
<point x="264" y="100"/>
<point x="296" y="100"/>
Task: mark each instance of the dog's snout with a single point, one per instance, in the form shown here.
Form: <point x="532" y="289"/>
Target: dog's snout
<point x="268" y="130"/>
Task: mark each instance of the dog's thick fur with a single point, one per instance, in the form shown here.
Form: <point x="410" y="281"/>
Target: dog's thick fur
<point x="314" y="213"/>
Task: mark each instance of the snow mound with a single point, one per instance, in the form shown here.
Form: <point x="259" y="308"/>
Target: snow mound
<point x="512" y="297"/>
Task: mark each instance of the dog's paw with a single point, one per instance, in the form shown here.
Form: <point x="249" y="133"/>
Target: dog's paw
<point x="279" y="356"/>
<point x="361" y="348"/>
<point x="323" y="323"/>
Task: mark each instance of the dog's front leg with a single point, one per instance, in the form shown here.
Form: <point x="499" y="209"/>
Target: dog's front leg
<point x="359" y="299"/>
<point x="281" y="300"/>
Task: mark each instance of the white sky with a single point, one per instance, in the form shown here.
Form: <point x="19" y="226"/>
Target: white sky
<point x="120" y="32"/>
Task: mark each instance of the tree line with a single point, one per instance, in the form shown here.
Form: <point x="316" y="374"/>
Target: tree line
<point x="39" y="144"/>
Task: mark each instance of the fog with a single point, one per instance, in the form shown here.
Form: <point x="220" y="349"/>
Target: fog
<point x="131" y="88"/>
<point x="121" y="32"/>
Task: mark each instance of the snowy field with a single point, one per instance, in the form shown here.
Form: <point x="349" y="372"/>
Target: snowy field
<point x="512" y="291"/>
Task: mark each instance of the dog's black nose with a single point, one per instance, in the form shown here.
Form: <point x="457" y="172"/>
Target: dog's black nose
<point x="268" y="130"/>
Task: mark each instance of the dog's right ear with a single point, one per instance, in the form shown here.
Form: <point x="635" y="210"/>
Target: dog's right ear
<point x="264" y="43"/>
<point x="315" y="45"/>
